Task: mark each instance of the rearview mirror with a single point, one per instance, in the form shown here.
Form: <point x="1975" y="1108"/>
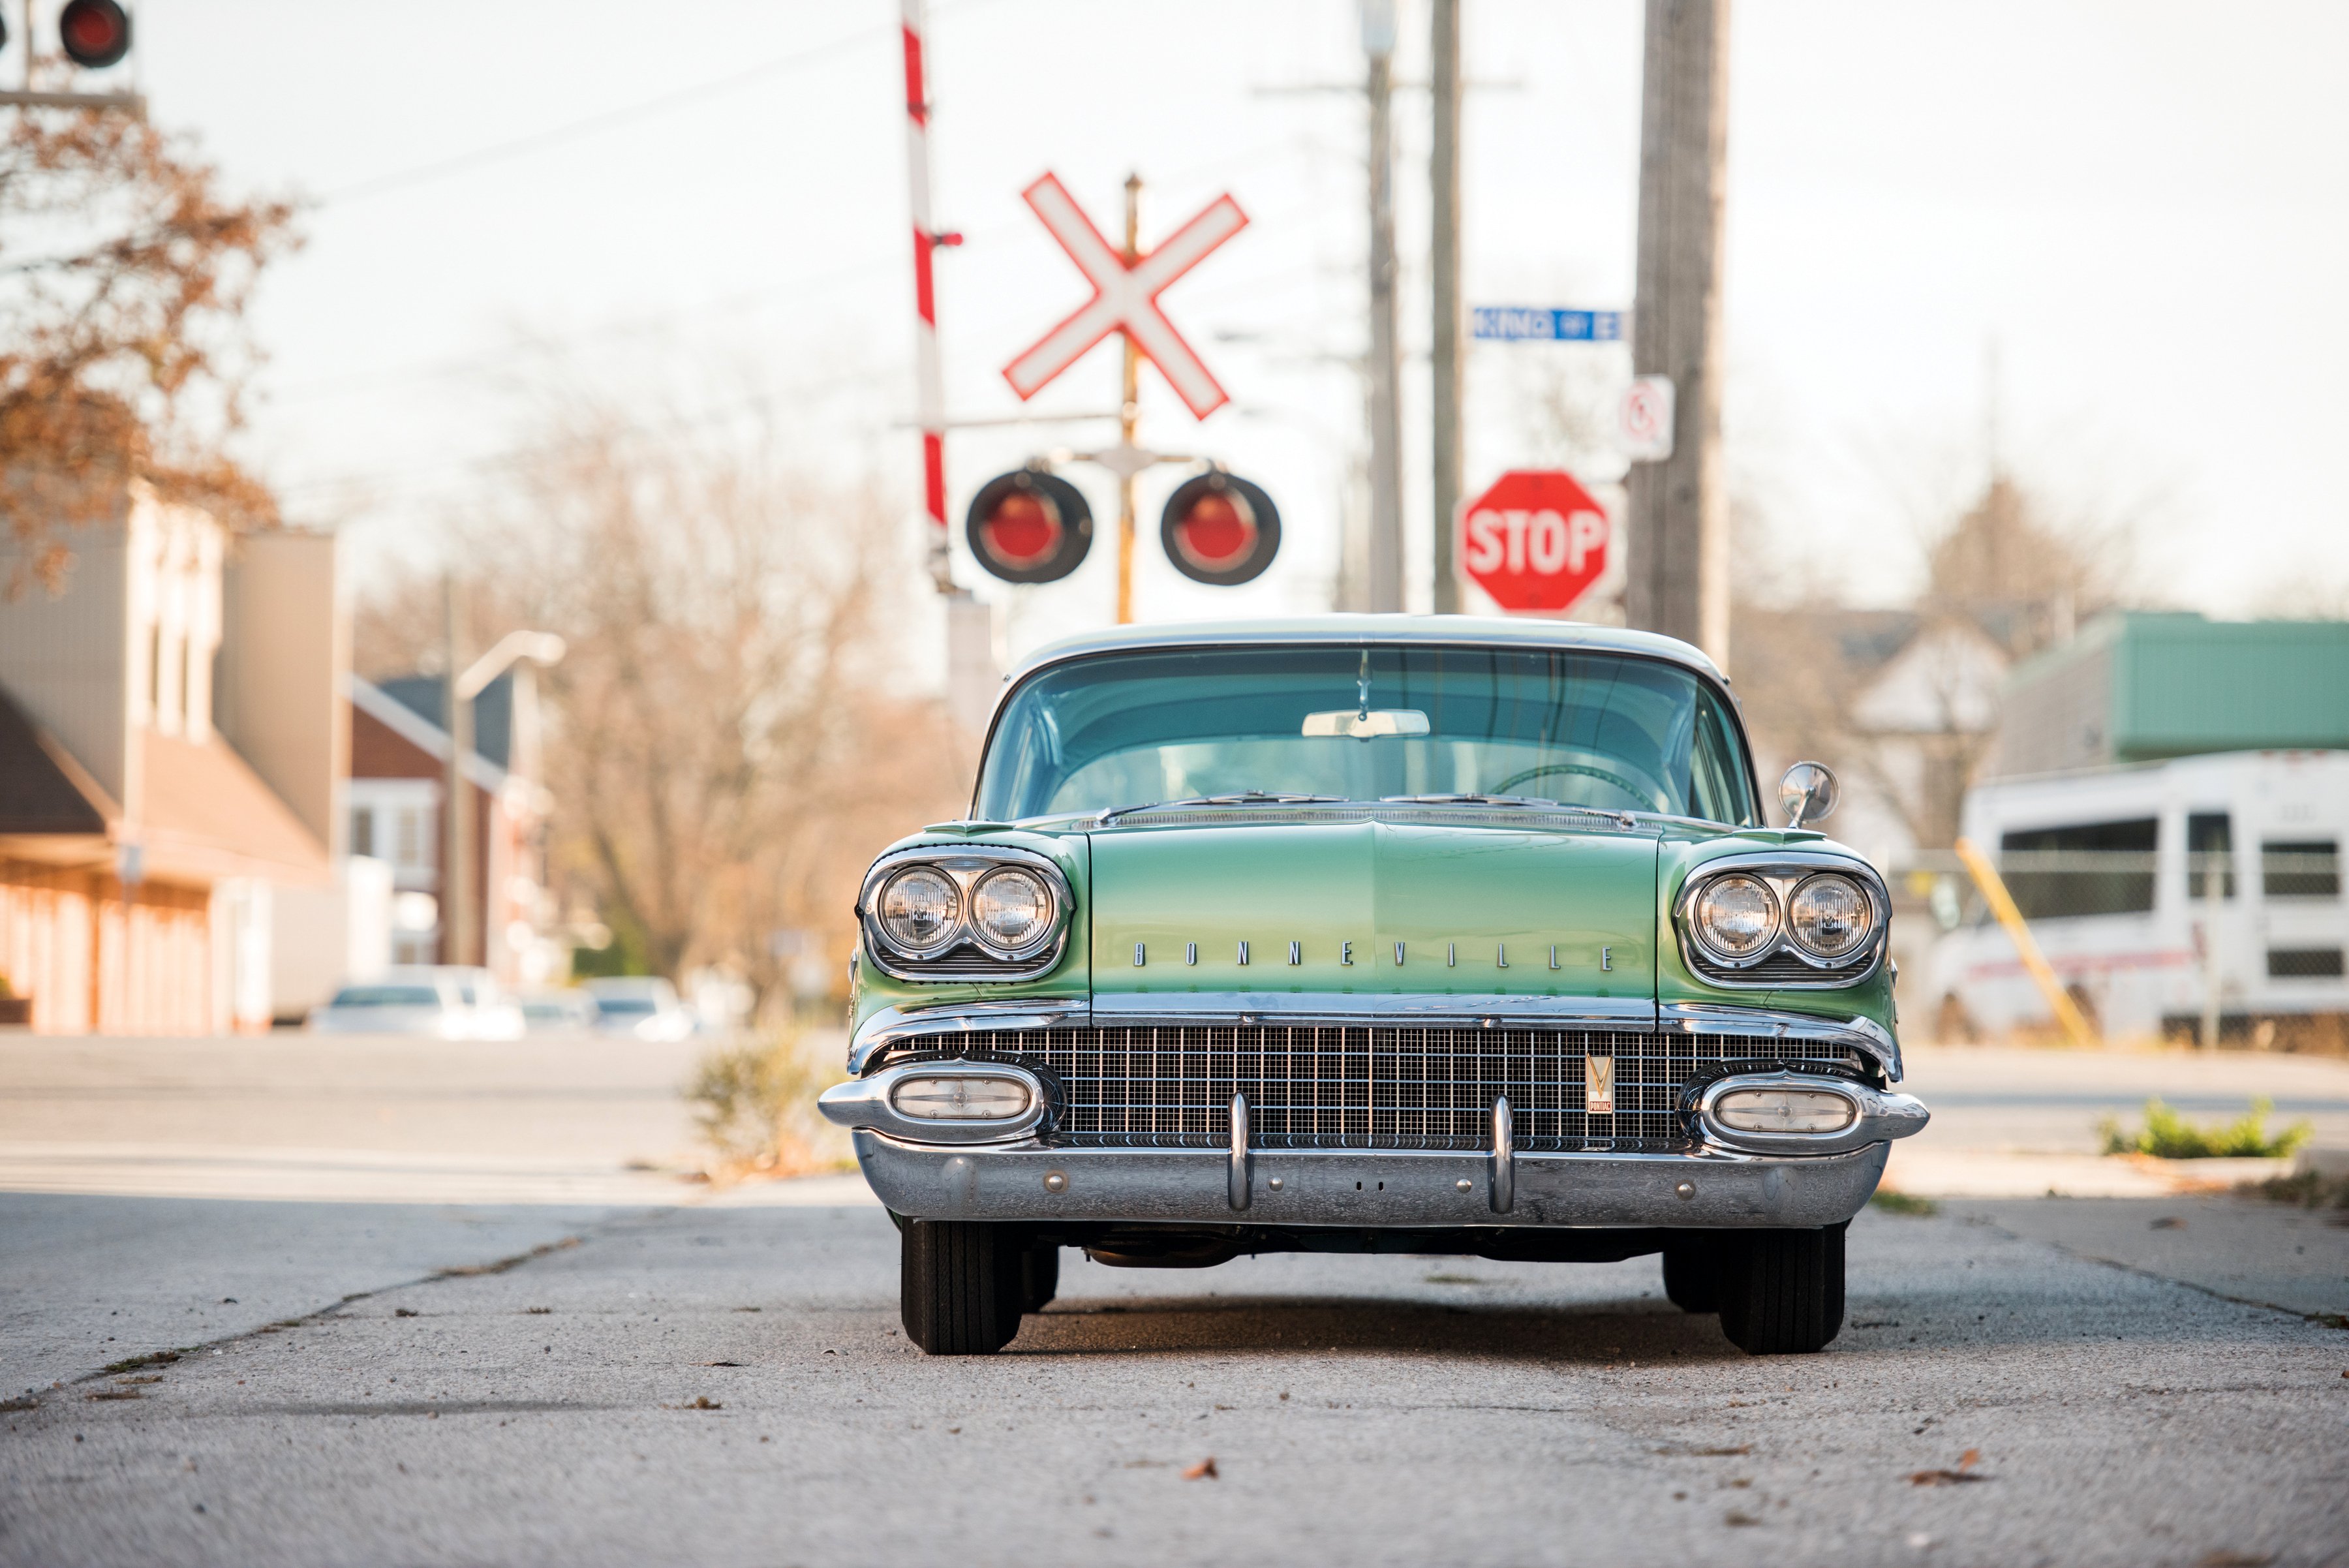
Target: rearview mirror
<point x="1808" y="793"/>
<point x="1376" y="724"/>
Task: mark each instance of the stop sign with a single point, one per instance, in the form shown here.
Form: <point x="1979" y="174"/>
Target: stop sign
<point x="1536" y="541"/>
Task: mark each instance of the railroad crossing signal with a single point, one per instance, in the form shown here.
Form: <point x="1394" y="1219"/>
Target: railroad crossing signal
<point x="1125" y="296"/>
<point x="1536" y="541"/>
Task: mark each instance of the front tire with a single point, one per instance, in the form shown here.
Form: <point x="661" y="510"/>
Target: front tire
<point x="959" y="1286"/>
<point x="1782" y="1291"/>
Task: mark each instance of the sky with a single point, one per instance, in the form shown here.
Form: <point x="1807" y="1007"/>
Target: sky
<point x="2138" y="210"/>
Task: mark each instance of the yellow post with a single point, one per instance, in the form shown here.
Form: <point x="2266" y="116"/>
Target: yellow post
<point x="1129" y="416"/>
<point x="2026" y="948"/>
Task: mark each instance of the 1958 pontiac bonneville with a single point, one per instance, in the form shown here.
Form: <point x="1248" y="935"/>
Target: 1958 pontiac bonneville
<point x="1374" y="934"/>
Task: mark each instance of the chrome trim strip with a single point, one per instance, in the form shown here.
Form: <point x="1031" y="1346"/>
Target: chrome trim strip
<point x="1864" y="1034"/>
<point x="863" y="1103"/>
<point x="1396" y="1187"/>
<point x="895" y="1025"/>
<point x="1877" y="1117"/>
<point x="1488" y="1008"/>
<point x="1504" y="1167"/>
<point x="1239" y="1179"/>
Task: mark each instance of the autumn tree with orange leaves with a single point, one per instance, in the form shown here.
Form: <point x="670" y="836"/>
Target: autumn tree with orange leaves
<point x="125" y="272"/>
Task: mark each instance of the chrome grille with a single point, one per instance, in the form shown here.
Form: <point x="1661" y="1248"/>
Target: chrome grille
<point x="1363" y="1086"/>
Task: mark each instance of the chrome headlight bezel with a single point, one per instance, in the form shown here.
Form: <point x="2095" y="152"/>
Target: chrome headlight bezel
<point x="1782" y="962"/>
<point x="962" y="951"/>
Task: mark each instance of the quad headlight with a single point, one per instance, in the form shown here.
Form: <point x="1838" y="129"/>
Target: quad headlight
<point x="1830" y="916"/>
<point x="944" y="913"/>
<point x="1736" y="916"/>
<point x="919" y="906"/>
<point x="1810" y="918"/>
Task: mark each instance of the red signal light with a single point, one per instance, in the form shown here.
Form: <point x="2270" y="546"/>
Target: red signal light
<point x="96" y="33"/>
<point x="1220" y="529"/>
<point x="1029" y="526"/>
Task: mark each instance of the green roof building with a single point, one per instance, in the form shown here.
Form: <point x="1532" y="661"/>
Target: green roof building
<point x="2138" y="686"/>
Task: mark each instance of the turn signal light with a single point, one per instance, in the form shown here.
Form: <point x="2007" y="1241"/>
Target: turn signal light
<point x="963" y="1098"/>
<point x="1784" y="1111"/>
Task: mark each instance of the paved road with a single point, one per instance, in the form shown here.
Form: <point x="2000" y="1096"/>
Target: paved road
<point x="1367" y="1410"/>
<point x="405" y="1382"/>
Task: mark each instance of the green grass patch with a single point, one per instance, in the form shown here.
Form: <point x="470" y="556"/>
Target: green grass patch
<point x="2168" y="1136"/>
<point x="1893" y="1202"/>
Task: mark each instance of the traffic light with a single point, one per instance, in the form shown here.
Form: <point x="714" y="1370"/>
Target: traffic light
<point x="1219" y="529"/>
<point x="96" y="33"/>
<point x="1029" y="526"/>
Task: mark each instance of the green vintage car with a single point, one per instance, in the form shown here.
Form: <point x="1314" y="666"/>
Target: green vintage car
<point x="1373" y="933"/>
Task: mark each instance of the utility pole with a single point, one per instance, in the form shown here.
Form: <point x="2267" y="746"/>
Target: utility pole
<point x="1678" y="551"/>
<point x="1386" y="415"/>
<point x="459" y="920"/>
<point x="1443" y="180"/>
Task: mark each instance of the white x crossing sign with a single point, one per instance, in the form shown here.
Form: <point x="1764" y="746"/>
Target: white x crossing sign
<point x="1125" y="296"/>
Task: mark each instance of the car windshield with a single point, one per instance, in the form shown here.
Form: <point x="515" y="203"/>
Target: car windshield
<point x="624" y="1004"/>
<point x="387" y="996"/>
<point x="1577" y="728"/>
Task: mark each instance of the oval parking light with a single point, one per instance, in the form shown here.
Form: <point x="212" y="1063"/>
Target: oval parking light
<point x="960" y="1097"/>
<point x="1784" y="1111"/>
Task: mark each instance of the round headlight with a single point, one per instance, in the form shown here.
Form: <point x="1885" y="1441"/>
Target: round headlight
<point x="1736" y="916"/>
<point x="1012" y="909"/>
<point x="918" y="907"/>
<point x="1830" y="916"/>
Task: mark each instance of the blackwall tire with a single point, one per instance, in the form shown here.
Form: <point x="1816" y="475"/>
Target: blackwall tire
<point x="1693" y="1273"/>
<point x="1782" y="1291"/>
<point x="1039" y="1278"/>
<point x="959" y="1287"/>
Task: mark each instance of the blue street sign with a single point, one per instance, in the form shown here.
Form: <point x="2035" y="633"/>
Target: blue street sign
<point x="1537" y="324"/>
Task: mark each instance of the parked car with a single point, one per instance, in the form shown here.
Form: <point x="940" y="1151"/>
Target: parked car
<point x="446" y="1002"/>
<point x="1374" y="934"/>
<point x="566" y="1012"/>
<point x="406" y="1000"/>
<point x="2167" y="897"/>
<point x="643" y="1005"/>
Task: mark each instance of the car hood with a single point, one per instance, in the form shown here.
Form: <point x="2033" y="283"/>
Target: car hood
<point x="1374" y="907"/>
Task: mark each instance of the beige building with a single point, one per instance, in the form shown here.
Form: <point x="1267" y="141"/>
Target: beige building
<point x="172" y="751"/>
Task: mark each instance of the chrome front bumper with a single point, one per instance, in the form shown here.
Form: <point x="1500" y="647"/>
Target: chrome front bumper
<point x="1029" y="1180"/>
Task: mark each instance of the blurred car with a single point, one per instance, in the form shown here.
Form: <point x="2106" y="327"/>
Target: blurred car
<point x="643" y="1005"/>
<point x="557" y="1011"/>
<point x="403" y="1002"/>
<point x="443" y="1002"/>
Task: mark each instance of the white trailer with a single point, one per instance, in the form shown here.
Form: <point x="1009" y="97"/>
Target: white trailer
<point x="2170" y="898"/>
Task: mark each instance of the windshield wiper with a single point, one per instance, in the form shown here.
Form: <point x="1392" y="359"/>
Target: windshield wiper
<point x="1245" y="798"/>
<point x="1470" y="799"/>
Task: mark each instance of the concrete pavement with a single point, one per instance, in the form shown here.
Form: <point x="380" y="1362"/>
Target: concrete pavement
<point x="607" y="1365"/>
<point x="730" y="1387"/>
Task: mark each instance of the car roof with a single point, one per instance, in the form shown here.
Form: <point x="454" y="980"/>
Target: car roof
<point x="1487" y="631"/>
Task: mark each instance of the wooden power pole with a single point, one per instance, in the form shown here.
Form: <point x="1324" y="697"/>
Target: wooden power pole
<point x="1443" y="180"/>
<point x="1679" y="546"/>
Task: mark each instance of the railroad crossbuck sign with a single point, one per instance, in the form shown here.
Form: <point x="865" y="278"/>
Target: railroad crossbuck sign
<point x="1125" y="296"/>
<point x="1536" y="541"/>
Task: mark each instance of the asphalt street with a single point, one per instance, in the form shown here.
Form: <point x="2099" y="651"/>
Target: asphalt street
<point x="673" y="1375"/>
<point x="730" y="1387"/>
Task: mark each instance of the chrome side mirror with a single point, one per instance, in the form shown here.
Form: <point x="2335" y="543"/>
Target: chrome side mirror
<point x="1808" y="793"/>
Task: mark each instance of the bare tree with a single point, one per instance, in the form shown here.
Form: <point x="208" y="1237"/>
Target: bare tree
<point x="124" y="276"/>
<point x="727" y="743"/>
